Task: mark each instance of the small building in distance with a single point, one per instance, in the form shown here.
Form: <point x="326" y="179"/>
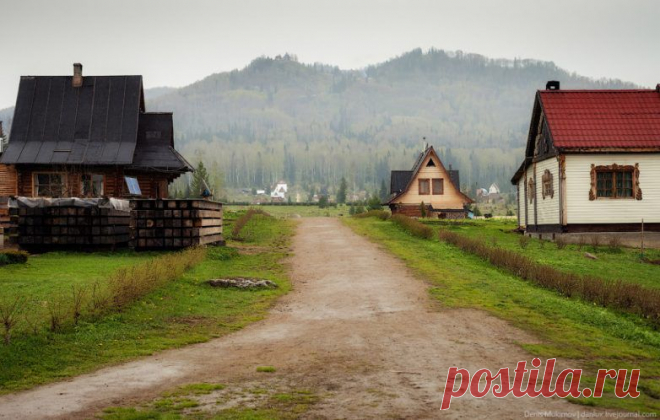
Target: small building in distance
<point x="592" y="163"/>
<point x="430" y="183"/>
<point x="75" y="136"/>
<point x="279" y="192"/>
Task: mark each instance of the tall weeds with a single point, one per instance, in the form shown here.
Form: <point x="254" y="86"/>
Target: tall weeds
<point x="412" y="226"/>
<point x="381" y="214"/>
<point x="627" y="297"/>
<point x="120" y="289"/>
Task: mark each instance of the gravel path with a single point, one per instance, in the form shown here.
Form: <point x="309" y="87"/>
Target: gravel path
<point x="358" y="329"/>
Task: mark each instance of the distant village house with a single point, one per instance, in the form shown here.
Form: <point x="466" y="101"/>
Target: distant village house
<point x="430" y="183"/>
<point x="592" y="162"/>
<point x="75" y="136"/>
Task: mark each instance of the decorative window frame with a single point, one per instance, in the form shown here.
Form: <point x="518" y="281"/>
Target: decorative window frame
<point x="547" y="185"/>
<point x="593" y="192"/>
<point x="531" y="189"/>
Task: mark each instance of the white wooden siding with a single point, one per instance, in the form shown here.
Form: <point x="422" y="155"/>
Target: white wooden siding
<point x="521" y="201"/>
<point x="547" y="210"/>
<point x="606" y="210"/>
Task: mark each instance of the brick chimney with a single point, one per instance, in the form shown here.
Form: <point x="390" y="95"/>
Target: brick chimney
<point x="77" y="75"/>
<point x="552" y="85"/>
<point x="657" y="88"/>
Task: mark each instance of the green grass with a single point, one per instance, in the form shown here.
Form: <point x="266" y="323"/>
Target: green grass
<point x="622" y="264"/>
<point x="266" y="369"/>
<point x="295" y="211"/>
<point x="596" y="338"/>
<point x="268" y="405"/>
<point x="183" y="312"/>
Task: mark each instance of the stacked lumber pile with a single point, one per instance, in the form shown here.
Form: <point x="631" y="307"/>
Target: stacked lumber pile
<point x="71" y="225"/>
<point x="8" y="222"/>
<point x="171" y="223"/>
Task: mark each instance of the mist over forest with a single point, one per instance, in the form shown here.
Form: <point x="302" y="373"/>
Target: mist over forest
<point x="310" y="125"/>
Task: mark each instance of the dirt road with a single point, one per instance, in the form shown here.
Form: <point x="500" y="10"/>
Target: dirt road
<point x="358" y="329"/>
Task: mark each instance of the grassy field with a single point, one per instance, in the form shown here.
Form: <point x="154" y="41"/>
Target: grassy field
<point x="613" y="264"/>
<point x="592" y="336"/>
<point x="182" y="312"/>
<point x="296" y="211"/>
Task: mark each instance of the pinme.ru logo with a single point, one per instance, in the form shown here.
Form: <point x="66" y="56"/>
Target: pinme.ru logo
<point x="525" y="382"/>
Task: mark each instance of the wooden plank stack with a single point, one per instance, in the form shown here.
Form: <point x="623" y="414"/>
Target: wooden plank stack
<point x="56" y="226"/>
<point x="9" y="222"/>
<point x="173" y="223"/>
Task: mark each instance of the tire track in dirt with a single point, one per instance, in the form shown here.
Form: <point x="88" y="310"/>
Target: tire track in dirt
<point x="358" y="329"/>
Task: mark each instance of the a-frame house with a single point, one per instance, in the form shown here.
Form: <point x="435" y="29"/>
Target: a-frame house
<point x="431" y="184"/>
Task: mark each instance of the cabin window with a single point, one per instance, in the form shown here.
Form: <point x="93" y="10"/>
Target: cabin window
<point x="615" y="181"/>
<point x="48" y="184"/>
<point x="424" y="187"/>
<point x="548" y="187"/>
<point x="438" y="186"/>
<point x="92" y="185"/>
<point x="431" y="163"/>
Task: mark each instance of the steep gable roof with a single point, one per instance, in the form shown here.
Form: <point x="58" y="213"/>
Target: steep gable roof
<point x="608" y="119"/>
<point x="56" y="123"/>
<point x="400" y="181"/>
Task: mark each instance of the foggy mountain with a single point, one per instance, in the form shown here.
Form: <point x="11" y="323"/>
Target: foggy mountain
<point x="312" y="124"/>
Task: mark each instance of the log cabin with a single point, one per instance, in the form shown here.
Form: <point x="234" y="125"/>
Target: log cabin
<point x="430" y="185"/>
<point x="75" y="136"/>
<point x="592" y="163"/>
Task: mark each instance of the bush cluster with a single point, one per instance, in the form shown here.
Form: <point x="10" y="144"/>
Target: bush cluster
<point x="412" y="226"/>
<point x="244" y="220"/>
<point x="11" y="256"/>
<point x="628" y="297"/>
<point x="381" y="214"/>
<point x="113" y="294"/>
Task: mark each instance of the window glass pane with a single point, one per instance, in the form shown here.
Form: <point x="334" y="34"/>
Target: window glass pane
<point x="423" y="186"/>
<point x="604" y="184"/>
<point x="438" y="186"/>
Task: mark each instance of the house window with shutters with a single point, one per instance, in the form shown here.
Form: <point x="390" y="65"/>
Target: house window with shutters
<point x="424" y="187"/>
<point x="548" y="186"/>
<point x="438" y="186"/>
<point x="615" y="181"/>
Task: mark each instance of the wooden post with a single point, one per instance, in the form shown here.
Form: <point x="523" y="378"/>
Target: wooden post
<point x="642" y="238"/>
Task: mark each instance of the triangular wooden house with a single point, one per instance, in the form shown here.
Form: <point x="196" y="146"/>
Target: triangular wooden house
<point x="430" y="185"/>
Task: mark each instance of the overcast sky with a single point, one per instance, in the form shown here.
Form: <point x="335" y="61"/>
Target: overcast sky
<point x="174" y="43"/>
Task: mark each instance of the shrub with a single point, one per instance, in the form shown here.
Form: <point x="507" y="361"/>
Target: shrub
<point x="412" y="226"/>
<point x="242" y="221"/>
<point x="381" y="214"/>
<point x="628" y="297"/>
<point x="11" y="256"/>
<point x="422" y="209"/>
<point x="614" y="243"/>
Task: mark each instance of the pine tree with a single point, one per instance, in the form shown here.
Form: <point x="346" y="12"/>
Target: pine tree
<point x="383" y="191"/>
<point x="200" y="177"/>
<point x="341" y="193"/>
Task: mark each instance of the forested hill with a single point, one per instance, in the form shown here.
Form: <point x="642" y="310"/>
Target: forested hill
<point x="306" y="124"/>
<point x="312" y="124"/>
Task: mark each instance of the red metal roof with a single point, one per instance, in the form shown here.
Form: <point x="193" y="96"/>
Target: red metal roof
<point x="603" y="118"/>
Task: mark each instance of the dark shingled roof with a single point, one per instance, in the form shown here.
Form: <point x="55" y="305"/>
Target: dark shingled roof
<point x="155" y="145"/>
<point x="399" y="181"/>
<point x="103" y="122"/>
<point x="55" y="123"/>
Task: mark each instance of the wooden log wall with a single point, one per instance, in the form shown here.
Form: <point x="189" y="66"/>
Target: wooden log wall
<point x="9" y="222"/>
<point x="8" y="181"/>
<point x="163" y="224"/>
<point x="68" y="225"/>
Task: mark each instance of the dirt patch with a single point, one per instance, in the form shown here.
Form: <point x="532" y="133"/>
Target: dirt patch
<point x="358" y="329"/>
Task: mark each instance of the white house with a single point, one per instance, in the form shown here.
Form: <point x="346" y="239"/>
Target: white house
<point x="280" y="190"/>
<point x="592" y="162"/>
<point x="493" y="189"/>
